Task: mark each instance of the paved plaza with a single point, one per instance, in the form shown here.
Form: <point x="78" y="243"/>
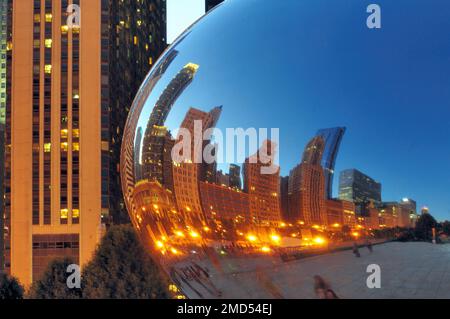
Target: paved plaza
<point x="408" y="270"/>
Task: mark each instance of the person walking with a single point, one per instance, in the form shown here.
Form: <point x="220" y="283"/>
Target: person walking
<point x="323" y="289"/>
<point x="369" y="246"/>
<point x="356" y="250"/>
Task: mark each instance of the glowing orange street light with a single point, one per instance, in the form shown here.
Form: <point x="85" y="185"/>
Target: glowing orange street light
<point x="319" y="240"/>
<point x="265" y="249"/>
<point x="355" y="234"/>
<point x="179" y="233"/>
<point x="159" y="244"/>
<point x="275" y="238"/>
<point x="252" y="238"/>
<point x="194" y="234"/>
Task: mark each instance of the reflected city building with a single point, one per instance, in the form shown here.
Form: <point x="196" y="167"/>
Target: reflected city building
<point x="207" y="221"/>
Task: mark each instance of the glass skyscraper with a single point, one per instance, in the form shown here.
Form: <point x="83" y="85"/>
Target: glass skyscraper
<point x="332" y="138"/>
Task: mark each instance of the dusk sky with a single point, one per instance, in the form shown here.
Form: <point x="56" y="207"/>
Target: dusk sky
<point x="181" y="14"/>
<point x="317" y="65"/>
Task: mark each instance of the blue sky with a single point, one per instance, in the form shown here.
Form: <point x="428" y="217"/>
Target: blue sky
<point x="181" y="14"/>
<point x="314" y="64"/>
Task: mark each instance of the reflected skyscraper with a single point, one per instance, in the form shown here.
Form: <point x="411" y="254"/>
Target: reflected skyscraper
<point x="306" y="186"/>
<point x="357" y="187"/>
<point x="187" y="174"/>
<point x="263" y="189"/>
<point x="332" y="138"/>
<point x="153" y="145"/>
<point x="235" y="176"/>
<point x="137" y="155"/>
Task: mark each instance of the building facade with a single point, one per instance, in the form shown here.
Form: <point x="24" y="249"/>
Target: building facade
<point x="402" y="213"/>
<point x="136" y="35"/>
<point x="224" y="203"/>
<point x="340" y="213"/>
<point x="284" y="198"/>
<point x="5" y="49"/>
<point x="186" y="174"/>
<point x="62" y="166"/>
<point x="263" y="189"/>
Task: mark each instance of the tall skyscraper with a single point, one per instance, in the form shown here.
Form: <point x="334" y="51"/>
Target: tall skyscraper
<point x="79" y="81"/>
<point x="136" y="35"/>
<point x="263" y="189"/>
<point x="210" y="4"/>
<point x="152" y="152"/>
<point x="355" y="186"/>
<point x="332" y="138"/>
<point x="307" y="186"/>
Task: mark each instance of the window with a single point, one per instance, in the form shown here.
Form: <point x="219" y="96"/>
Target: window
<point x="48" y="69"/>
<point x="47" y="147"/>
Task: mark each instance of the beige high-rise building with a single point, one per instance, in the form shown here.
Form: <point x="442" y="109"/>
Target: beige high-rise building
<point x="55" y="199"/>
<point x="64" y="121"/>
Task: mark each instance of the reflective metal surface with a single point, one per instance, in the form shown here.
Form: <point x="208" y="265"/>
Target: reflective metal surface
<point x="270" y="65"/>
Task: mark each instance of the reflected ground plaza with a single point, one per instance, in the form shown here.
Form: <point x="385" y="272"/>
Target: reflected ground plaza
<point x="408" y="270"/>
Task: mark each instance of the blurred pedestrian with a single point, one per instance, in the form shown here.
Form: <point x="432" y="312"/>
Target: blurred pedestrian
<point x="331" y="294"/>
<point x="356" y="250"/>
<point x="323" y="289"/>
<point x="369" y="246"/>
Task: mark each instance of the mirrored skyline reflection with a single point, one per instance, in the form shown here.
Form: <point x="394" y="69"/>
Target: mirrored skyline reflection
<point x="318" y="66"/>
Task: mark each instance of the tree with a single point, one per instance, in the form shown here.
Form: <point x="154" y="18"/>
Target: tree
<point x="53" y="283"/>
<point x="10" y="288"/>
<point x="122" y="269"/>
<point x="424" y="226"/>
